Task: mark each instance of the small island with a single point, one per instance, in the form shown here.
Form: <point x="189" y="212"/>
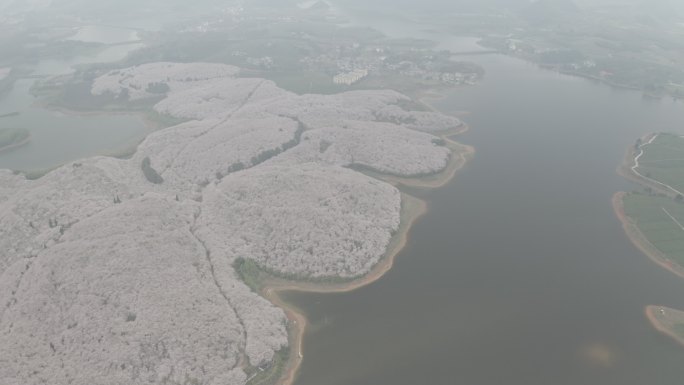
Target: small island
<point x="13" y="138"/>
<point x="667" y="321"/>
<point x="653" y="218"/>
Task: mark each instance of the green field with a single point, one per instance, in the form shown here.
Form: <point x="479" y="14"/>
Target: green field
<point x="650" y="213"/>
<point x="659" y="212"/>
<point x="663" y="160"/>
<point x="678" y="329"/>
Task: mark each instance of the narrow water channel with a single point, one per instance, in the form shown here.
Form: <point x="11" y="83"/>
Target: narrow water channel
<point x="520" y="273"/>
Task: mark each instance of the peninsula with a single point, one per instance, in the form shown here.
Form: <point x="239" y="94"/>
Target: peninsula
<point x="667" y="321"/>
<point x="258" y="181"/>
<point x="653" y="218"/>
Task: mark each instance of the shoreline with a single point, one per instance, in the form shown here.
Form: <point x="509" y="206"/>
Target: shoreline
<point x="629" y="226"/>
<point x="298" y="322"/>
<point x="589" y="77"/>
<point x="659" y="318"/>
<point x="461" y="154"/>
<point x="639" y="240"/>
<point x="125" y="151"/>
<point x="10" y="114"/>
<point x="144" y="115"/>
<point x="627" y="169"/>
<point x="412" y="209"/>
<point x="15" y="145"/>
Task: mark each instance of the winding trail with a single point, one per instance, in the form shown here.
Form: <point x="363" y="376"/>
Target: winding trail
<point x="637" y="173"/>
<point x="635" y="235"/>
<point x="664" y="320"/>
<point x="641" y="152"/>
<point x="673" y="218"/>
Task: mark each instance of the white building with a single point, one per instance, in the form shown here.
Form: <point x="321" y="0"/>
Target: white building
<point x="350" y="78"/>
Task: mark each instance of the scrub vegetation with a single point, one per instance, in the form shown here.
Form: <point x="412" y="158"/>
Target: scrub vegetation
<point x="269" y="374"/>
<point x="249" y="273"/>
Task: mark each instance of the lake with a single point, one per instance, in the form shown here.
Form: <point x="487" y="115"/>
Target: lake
<point x="105" y="34"/>
<point x="520" y="273"/>
<point x="57" y="138"/>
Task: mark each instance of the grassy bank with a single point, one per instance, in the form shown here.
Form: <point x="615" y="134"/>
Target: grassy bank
<point x="659" y="219"/>
<point x="647" y="222"/>
<point x="653" y="218"/>
<point x="663" y="161"/>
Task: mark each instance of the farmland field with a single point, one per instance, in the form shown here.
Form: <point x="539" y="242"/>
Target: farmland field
<point x="663" y="160"/>
<point x="659" y="219"/>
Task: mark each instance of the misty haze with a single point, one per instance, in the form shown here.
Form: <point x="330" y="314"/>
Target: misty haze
<point x="341" y="192"/>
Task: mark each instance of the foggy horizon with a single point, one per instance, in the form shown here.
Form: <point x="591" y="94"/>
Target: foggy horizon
<point x="341" y="192"/>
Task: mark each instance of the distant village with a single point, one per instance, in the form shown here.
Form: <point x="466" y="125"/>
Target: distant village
<point x="346" y="59"/>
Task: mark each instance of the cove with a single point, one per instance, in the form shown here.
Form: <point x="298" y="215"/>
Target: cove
<point x="519" y="273"/>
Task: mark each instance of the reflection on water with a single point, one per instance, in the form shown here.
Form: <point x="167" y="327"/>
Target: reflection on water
<point x="599" y="354"/>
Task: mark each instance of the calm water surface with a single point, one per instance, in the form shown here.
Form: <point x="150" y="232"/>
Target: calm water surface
<point x="105" y="34"/>
<point x="118" y="41"/>
<point x="520" y="273"/>
<point x="57" y="138"/>
<point x="66" y="66"/>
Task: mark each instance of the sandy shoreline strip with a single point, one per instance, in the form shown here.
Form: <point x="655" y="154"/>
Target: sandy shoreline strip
<point x="461" y="154"/>
<point x="639" y="239"/>
<point x="412" y="209"/>
<point x="665" y="320"/>
<point x="633" y="232"/>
